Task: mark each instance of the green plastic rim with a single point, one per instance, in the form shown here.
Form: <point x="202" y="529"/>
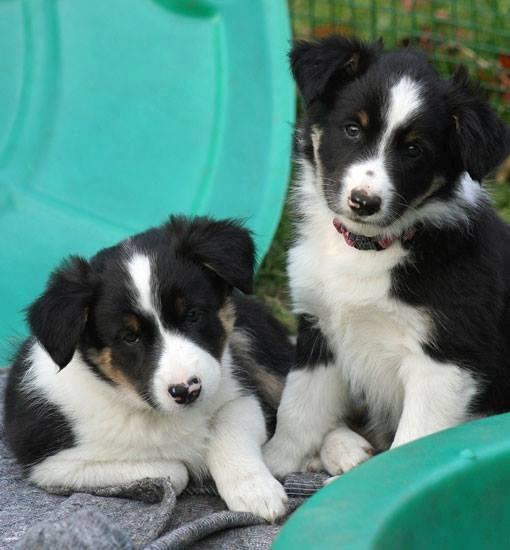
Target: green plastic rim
<point x="446" y="491"/>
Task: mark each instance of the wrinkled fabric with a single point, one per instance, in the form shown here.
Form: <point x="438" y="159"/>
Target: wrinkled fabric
<point x="144" y="514"/>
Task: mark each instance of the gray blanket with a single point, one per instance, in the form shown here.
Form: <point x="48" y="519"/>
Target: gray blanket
<point x="145" y="514"/>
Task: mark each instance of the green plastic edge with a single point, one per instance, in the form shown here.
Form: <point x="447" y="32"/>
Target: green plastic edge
<point x="284" y="108"/>
<point x="365" y="508"/>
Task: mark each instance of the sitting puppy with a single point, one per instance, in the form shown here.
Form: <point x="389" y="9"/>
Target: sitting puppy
<point x="143" y="363"/>
<point x="400" y="271"/>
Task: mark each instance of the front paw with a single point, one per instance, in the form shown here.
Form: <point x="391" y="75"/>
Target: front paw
<point x="344" y="449"/>
<point x="282" y="457"/>
<point x="313" y="464"/>
<point x="261" y="495"/>
<point x="179" y="478"/>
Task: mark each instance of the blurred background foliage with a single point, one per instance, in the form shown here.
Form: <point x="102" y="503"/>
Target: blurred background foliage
<point x="475" y="33"/>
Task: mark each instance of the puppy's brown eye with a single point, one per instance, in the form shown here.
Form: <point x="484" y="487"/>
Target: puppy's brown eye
<point x="193" y="315"/>
<point x="352" y="131"/>
<point x="413" y="150"/>
<point x="130" y="337"/>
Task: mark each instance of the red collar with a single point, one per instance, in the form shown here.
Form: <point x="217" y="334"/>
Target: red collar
<point x="360" y="242"/>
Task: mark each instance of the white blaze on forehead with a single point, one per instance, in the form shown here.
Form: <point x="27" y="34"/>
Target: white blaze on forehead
<point x="139" y="267"/>
<point x="404" y="102"/>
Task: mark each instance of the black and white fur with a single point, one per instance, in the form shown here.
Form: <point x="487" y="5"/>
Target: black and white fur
<point x="144" y="363"/>
<point x="417" y="333"/>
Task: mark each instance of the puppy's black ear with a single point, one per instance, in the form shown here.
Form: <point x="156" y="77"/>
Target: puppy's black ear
<point x="480" y="139"/>
<point x="58" y="317"/>
<point x="320" y="67"/>
<point x="223" y="246"/>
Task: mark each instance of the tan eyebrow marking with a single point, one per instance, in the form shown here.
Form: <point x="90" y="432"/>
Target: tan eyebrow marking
<point x="411" y="136"/>
<point x="227" y="316"/>
<point x="363" y="118"/>
<point x="132" y="322"/>
<point x="270" y="385"/>
<point x="181" y="304"/>
<point x="103" y="361"/>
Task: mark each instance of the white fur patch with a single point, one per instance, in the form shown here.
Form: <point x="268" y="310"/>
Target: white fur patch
<point x="404" y="102"/>
<point x="235" y="462"/>
<point x="139" y="267"/>
<point x="470" y="191"/>
<point x="344" y="449"/>
<point x="437" y="396"/>
<point x="182" y="359"/>
<point x="372" y="176"/>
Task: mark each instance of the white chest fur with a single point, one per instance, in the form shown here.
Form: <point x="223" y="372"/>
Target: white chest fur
<point x="349" y="291"/>
<point x="370" y="332"/>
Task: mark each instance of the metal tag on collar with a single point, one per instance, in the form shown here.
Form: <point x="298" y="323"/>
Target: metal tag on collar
<point x="365" y="243"/>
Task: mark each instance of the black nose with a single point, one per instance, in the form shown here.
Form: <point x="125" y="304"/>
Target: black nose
<point x="184" y="394"/>
<point x="364" y="204"/>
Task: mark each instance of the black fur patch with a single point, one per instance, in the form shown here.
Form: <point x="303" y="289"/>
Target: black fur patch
<point x="312" y="348"/>
<point x="462" y="278"/>
<point x="34" y="427"/>
<point x="269" y="348"/>
<point x="58" y="317"/>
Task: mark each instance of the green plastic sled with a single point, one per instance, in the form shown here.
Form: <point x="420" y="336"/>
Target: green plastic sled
<point x="114" y="114"/>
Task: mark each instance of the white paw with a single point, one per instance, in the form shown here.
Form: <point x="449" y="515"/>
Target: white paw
<point x="313" y="464"/>
<point x="330" y="480"/>
<point x="261" y="495"/>
<point x="179" y="477"/>
<point x="282" y="457"/>
<point x="344" y="449"/>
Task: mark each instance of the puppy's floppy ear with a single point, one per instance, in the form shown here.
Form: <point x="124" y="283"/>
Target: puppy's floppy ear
<point x="320" y="67"/>
<point x="480" y="139"/>
<point x="223" y="246"/>
<point x="58" y="317"/>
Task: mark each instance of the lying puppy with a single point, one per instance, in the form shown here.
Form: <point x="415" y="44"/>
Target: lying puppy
<point x="167" y="372"/>
<point x="400" y="271"/>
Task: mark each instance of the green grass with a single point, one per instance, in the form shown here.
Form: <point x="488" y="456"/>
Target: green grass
<point x="501" y="195"/>
<point x="271" y="283"/>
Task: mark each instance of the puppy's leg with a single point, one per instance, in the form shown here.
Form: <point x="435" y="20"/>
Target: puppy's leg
<point x="310" y="407"/>
<point x="343" y="449"/>
<point x="71" y="470"/>
<point x="313" y="400"/>
<point x="436" y="396"/>
<point x="236" y="465"/>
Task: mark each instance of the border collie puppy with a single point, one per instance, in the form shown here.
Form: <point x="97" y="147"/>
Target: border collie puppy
<point x="400" y="272"/>
<point x="144" y="363"/>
